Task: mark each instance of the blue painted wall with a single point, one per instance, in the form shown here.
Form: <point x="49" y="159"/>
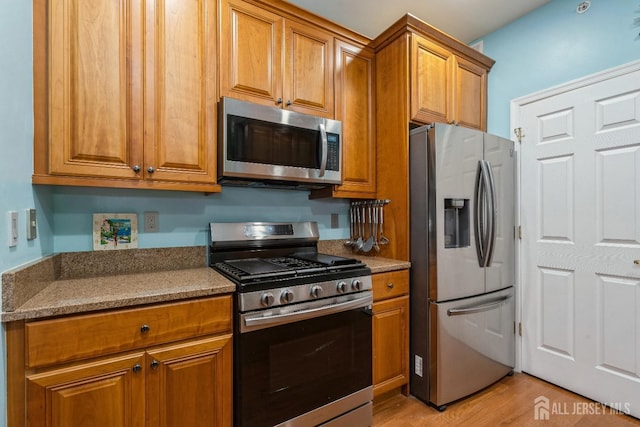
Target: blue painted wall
<point x="183" y="217"/>
<point x="16" y="151"/>
<point x="553" y="45"/>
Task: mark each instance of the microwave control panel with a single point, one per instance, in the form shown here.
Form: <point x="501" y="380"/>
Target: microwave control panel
<point x="333" y="152"/>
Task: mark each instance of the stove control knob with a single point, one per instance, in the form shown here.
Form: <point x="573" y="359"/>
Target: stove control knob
<point x="316" y="291"/>
<point x="267" y="299"/>
<point x="356" y="285"/>
<point x="341" y="287"/>
<point x="286" y="296"/>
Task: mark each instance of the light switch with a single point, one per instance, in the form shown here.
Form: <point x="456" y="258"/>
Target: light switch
<point x="13" y="228"/>
<point x="31" y="224"/>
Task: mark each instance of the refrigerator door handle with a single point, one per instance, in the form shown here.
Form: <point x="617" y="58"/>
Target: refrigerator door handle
<point x="478" y="224"/>
<point x="486" y="306"/>
<point x="493" y="209"/>
<point x="484" y="202"/>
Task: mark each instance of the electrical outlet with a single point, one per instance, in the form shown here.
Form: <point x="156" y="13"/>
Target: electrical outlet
<point x="151" y="222"/>
<point x="335" y="223"/>
<point x="418" y="365"/>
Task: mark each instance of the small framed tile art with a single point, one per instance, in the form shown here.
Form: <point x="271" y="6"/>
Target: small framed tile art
<point x="113" y="231"/>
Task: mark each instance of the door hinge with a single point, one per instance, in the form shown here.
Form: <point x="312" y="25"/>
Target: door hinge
<point x="519" y="134"/>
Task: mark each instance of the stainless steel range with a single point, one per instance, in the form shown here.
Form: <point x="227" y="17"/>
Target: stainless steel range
<point x="302" y="349"/>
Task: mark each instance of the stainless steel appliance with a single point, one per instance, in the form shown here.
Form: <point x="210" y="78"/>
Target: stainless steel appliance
<point x="302" y="348"/>
<point x="462" y="261"/>
<point x="266" y="146"/>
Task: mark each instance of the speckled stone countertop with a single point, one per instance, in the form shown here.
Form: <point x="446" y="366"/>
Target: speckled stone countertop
<point x="76" y="282"/>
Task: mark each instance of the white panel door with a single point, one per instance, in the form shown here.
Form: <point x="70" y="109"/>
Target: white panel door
<point x="580" y="213"/>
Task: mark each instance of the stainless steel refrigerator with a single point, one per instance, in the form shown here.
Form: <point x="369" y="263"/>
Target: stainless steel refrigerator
<point x="462" y="184"/>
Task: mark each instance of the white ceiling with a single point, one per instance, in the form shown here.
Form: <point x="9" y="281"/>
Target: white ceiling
<point x="465" y="20"/>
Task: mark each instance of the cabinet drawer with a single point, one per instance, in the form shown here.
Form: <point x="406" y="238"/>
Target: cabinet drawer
<point x="390" y="285"/>
<point x="82" y="336"/>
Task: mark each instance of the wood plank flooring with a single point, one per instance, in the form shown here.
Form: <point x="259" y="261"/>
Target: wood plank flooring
<point x="508" y="402"/>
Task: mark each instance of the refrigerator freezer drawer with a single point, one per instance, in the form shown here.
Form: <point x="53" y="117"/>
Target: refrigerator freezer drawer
<point x="472" y="344"/>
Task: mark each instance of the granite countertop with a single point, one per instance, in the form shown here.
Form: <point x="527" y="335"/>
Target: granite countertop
<point x="77" y="282"/>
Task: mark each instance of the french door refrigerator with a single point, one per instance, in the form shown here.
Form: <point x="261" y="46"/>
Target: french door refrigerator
<point x="462" y="219"/>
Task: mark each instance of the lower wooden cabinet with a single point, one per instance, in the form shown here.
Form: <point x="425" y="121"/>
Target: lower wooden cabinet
<point x="106" y="393"/>
<point x="390" y="331"/>
<point x="184" y="380"/>
<point x="190" y="384"/>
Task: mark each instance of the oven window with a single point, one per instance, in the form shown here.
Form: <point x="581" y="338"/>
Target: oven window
<point x="285" y="371"/>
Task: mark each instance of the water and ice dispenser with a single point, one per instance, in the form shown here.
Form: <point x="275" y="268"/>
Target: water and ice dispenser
<point x="456" y="223"/>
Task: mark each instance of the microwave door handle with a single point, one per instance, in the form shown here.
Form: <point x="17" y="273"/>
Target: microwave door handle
<point x="323" y="160"/>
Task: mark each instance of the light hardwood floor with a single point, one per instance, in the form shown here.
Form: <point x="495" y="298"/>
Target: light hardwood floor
<point x="508" y="402"/>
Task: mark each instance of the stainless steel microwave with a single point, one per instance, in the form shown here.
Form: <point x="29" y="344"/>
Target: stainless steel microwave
<point x="270" y="146"/>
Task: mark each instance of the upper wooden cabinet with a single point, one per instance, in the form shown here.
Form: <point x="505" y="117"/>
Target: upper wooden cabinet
<point x="422" y="76"/>
<point x="446" y="87"/>
<point x="355" y="108"/>
<point x="275" y="61"/>
<point x="125" y="94"/>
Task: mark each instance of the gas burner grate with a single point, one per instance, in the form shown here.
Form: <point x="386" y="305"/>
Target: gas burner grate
<point x="294" y="263"/>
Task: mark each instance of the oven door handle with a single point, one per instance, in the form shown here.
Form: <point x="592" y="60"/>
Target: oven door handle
<point x="254" y="323"/>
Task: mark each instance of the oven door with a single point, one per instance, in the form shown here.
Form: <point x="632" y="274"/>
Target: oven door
<point x="313" y="365"/>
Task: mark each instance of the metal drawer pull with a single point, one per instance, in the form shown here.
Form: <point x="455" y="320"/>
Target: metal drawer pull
<point x="136" y="368"/>
<point x="477" y="308"/>
<point x="145" y="328"/>
<point x="390" y="285"/>
<point x="155" y="364"/>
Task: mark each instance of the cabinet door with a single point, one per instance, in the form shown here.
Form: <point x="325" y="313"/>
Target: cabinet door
<point x="180" y="91"/>
<point x="95" y="87"/>
<point x="107" y="393"/>
<point x="390" y="344"/>
<point x="308" y="70"/>
<point x="355" y="100"/>
<point x="431" y="82"/>
<point x="470" y="94"/>
<point x="250" y="54"/>
<point x="190" y="384"/>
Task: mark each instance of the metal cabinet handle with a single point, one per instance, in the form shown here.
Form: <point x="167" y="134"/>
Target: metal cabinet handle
<point x="145" y="328"/>
<point x="136" y="368"/>
<point x="279" y="101"/>
<point x="155" y="364"/>
<point x="150" y="169"/>
<point x="288" y="102"/>
<point x="390" y="285"/>
<point x="136" y="168"/>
